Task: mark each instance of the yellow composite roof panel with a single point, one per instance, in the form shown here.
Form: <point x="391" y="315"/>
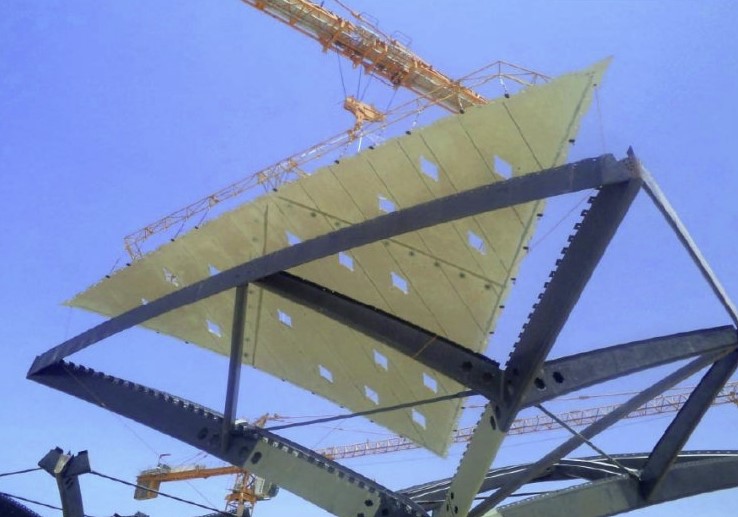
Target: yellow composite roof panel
<point x="450" y="279"/>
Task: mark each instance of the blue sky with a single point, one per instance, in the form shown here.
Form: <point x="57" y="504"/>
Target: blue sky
<point x="115" y="113"/>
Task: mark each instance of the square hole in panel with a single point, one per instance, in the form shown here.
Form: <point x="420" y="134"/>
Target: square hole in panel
<point x="502" y="167"/>
<point x="214" y="328"/>
<point x="399" y="282"/>
<point x="292" y="239"/>
<point x="430" y="382"/>
<point x="170" y="277"/>
<point x="476" y="242"/>
<point x="381" y="360"/>
<point x="429" y="168"/>
<point x="371" y="395"/>
<point x="418" y="418"/>
<point x="284" y="318"/>
<point x="385" y="205"/>
<point x="346" y="261"/>
<point x="212" y="270"/>
<point x="325" y="373"/>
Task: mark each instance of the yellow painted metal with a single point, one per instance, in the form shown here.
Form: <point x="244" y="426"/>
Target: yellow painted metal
<point x="365" y="45"/>
<point x="451" y="279"/>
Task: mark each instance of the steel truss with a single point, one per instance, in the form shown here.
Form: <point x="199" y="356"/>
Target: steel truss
<point x="528" y="379"/>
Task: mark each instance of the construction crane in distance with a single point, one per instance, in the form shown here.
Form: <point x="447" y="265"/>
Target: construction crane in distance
<point x="379" y="55"/>
<point x="240" y="501"/>
<point x="252" y="490"/>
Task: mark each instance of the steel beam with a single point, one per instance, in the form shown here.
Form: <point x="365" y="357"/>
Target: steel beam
<point x="538" y="336"/>
<point x="620" y="494"/>
<point x="317" y="479"/>
<point x="574" y="177"/>
<point x="466" y="367"/>
<point x="662" y="203"/>
<point x="591" y="431"/>
<point x="234" y="364"/>
<point x="562" y="292"/>
<point x="592" y="468"/>
<point x="684" y="423"/>
<point x="66" y="469"/>
<point x="574" y="372"/>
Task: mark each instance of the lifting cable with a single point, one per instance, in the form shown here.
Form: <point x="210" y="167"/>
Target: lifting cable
<point x="5" y="474"/>
<point x="179" y="499"/>
<point x="461" y="394"/>
<point x="33" y="501"/>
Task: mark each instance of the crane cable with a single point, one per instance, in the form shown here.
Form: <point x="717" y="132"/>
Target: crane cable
<point x="461" y="394"/>
<point x="33" y="501"/>
<point x="174" y="497"/>
<point x="6" y="474"/>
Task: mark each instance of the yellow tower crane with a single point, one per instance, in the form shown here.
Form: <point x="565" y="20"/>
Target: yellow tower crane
<point x="365" y="45"/>
<point x="379" y="55"/>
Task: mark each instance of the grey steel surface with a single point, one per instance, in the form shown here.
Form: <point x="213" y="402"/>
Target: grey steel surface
<point x="591" y="431"/>
<point x="591" y="468"/>
<point x="562" y="292"/>
<point x="298" y="469"/>
<point x="9" y="507"/>
<point x="684" y="423"/>
<point x="565" y="285"/>
<point x="619" y="494"/>
<point x="574" y="372"/>
<point x="66" y="469"/>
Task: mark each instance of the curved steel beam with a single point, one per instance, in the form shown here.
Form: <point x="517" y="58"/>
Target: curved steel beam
<point x="592" y="468"/>
<point x="573" y="177"/>
<point x="620" y="494"/>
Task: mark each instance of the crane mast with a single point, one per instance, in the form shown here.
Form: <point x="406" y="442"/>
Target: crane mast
<point x="365" y="45"/>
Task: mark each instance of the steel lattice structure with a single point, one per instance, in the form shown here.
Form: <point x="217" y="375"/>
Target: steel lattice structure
<point x="656" y="477"/>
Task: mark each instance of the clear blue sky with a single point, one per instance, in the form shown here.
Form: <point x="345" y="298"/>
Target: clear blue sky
<point x="114" y="113"/>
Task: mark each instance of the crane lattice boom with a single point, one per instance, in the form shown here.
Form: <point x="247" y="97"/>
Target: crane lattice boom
<point x="365" y="45"/>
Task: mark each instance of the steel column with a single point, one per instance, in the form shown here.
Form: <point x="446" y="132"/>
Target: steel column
<point x="684" y="423"/>
<point x="592" y="430"/>
<point x="66" y="469"/>
<point x="234" y="364"/>
<point x="574" y="177"/>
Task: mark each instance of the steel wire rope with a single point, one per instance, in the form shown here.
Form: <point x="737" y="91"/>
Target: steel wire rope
<point x="523" y="443"/>
<point x="125" y="424"/>
<point x="33" y="501"/>
<point x="599" y="117"/>
<point x="17" y="472"/>
<point x="103" y="405"/>
<point x="589" y="442"/>
<point x="461" y="394"/>
<point x="157" y="492"/>
<point x="358" y="84"/>
<point x="340" y="71"/>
